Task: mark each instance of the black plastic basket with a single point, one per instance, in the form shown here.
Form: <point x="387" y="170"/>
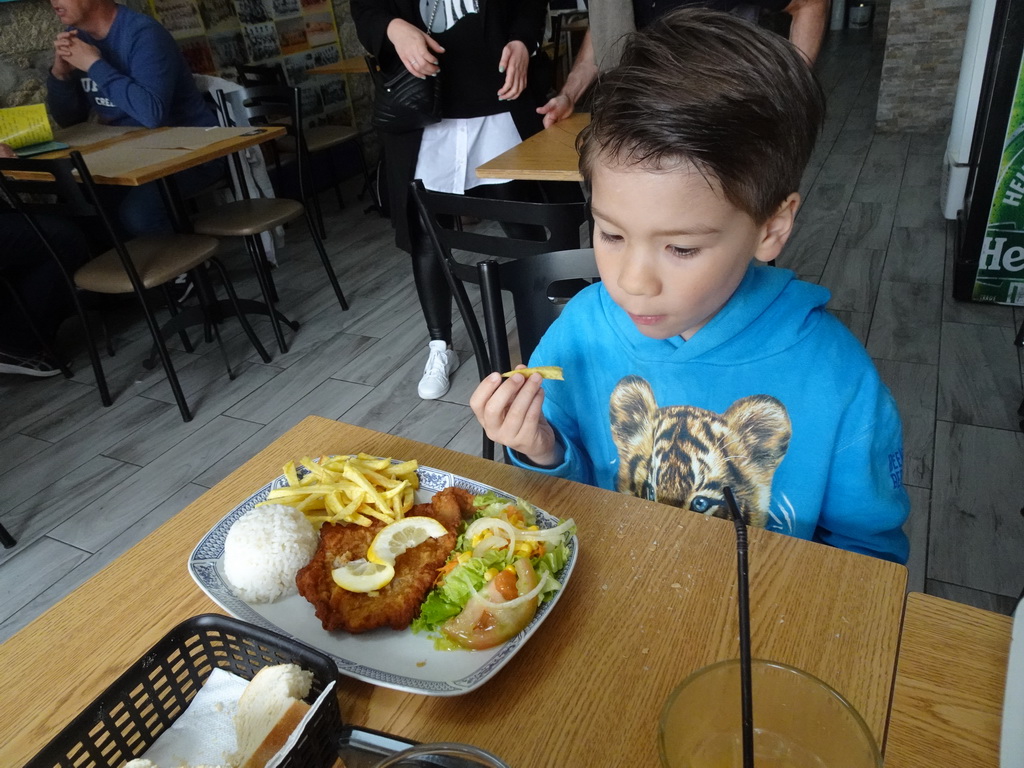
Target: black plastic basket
<point x="126" y="719"/>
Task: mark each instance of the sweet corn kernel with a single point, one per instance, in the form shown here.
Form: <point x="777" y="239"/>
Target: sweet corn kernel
<point x="490" y="573"/>
<point x="464" y="557"/>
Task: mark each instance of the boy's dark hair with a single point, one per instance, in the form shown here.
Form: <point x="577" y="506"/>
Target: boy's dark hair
<point x="737" y="101"/>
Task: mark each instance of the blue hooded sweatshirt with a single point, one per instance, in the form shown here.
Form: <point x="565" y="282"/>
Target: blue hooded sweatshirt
<point x="774" y="398"/>
<point x="142" y="79"/>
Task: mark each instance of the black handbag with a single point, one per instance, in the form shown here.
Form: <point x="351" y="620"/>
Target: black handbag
<point x="403" y="102"/>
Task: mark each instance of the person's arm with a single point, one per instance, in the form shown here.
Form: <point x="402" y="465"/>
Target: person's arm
<point x="65" y="99"/>
<point x="807" y="26"/>
<point x="865" y="504"/>
<point x="146" y="91"/>
<point x="580" y="78"/>
<point x="371" y="19"/>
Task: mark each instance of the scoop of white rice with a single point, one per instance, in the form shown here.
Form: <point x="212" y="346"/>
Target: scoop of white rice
<point x="264" y="550"/>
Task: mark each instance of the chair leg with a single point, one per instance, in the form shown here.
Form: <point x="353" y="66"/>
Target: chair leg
<point x="6" y="539"/>
<point x="94" y="356"/>
<point x="165" y="359"/>
<point x="367" y="179"/>
<point x="334" y="175"/>
<point x="255" y="247"/>
<point x="172" y="307"/>
<point x="328" y="267"/>
<point x="207" y="300"/>
<point x="314" y="198"/>
<point x="233" y="297"/>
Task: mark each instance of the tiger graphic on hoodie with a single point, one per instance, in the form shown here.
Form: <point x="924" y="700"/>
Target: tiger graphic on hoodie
<point x="684" y="456"/>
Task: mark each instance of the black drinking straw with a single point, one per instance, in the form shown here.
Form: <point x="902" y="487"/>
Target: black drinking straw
<point x="746" y="699"/>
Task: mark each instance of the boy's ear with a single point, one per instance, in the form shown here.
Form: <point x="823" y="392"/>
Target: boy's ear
<point x="776" y="231"/>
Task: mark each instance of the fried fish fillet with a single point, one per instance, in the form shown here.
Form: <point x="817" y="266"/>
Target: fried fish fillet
<point x="398" y="603"/>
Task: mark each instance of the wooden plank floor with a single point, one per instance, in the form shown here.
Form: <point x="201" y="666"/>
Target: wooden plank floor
<point x="80" y="483"/>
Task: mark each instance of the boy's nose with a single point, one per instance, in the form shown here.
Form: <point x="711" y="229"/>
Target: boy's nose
<point x="637" y="276"/>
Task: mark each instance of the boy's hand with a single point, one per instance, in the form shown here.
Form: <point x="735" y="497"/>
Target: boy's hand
<point x="509" y="410"/>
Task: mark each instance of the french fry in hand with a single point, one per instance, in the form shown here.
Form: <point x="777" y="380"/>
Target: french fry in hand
<point x="349" y="489"/>
<point x="545" y="371"/>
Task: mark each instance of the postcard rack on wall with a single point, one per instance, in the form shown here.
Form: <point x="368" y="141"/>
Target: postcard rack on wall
<point x="217" y="36"/>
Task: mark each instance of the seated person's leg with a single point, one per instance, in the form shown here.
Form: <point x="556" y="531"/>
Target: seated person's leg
<point x="142" y="211"/>
<point x="40" y="285"/>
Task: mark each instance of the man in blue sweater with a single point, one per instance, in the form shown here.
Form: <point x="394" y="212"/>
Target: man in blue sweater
<point x="692" y="365"/>
<point x="126" y="68"/>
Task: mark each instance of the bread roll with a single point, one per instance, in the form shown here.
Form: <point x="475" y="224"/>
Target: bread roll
<point x="269" y="709"/>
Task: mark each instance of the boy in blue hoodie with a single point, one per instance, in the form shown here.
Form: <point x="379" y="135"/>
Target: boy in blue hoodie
<point x="693" y="365"/>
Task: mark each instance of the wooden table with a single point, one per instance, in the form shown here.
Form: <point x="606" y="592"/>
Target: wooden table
<point x="652" y="598"/>
<point x="948" y="697"/>
<point x="546" y="156"/>
<point x="151" y="154"/>
<point x="354" y="65"/>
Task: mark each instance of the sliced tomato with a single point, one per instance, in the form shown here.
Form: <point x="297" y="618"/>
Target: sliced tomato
<point x="483" y="625"/>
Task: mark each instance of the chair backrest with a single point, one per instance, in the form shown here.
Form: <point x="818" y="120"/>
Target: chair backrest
<point x="540" y="285"/>
<point x="60" y="187"/>
<point x="441" y="212"/>
<point x="261" y="74"/>
<point x="266" y="104"/>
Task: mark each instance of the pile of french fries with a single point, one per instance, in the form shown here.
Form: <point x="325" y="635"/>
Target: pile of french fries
<point x="349" y="489"/>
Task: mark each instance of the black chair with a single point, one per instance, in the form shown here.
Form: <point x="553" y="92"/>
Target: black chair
<point x="249" y="218"/>
<point x="320" y="139"/>
<point x="65" y="187"/>
<point x="540" y="285"/>
<point x="441" y="214"/>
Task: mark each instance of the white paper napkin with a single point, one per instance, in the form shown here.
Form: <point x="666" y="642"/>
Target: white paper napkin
<point x="204" y="734"/>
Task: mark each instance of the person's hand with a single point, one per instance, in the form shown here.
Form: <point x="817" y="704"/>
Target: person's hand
<point x="61" y="69"/>
<point x="509" y="410"/>
<point x="515" y="61"/>
<point x="6" y="151"/>
<point x="79" y="54"/>
<point x="558" y="108"/>
<point x="415" y="48"/>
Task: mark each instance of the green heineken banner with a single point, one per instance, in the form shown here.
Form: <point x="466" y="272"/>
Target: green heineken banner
<point x="1001" y="266"/>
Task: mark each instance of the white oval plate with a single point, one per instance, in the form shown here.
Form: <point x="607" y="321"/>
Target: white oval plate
<point x="394" y="659"/>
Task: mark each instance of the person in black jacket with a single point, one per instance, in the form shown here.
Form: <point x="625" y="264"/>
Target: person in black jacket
<point x="484" y="52"/>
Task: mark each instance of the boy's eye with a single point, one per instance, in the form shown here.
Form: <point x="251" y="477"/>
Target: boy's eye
<point x="610" y="238"/>
<point x="683" y="253"/>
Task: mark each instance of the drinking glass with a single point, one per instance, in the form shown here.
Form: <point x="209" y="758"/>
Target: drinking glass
<point x="799" y="721"/>
<point x="446" y="748"/>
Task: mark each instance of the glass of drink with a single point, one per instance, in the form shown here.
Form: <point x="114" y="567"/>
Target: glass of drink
<point x="799" y="721"/>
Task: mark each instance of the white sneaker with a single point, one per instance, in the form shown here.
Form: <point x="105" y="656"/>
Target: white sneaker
<point x="440" y="365"/>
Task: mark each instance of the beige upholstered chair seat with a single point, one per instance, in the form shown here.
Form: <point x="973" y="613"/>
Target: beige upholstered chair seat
<point x="319" y="138"/>
<point x="243" y="218"/>
<point x="158" y="260"/>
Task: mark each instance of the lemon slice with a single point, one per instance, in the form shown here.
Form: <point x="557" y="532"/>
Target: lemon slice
<point x="394" y="539"/>
<point x="363" y="576"/>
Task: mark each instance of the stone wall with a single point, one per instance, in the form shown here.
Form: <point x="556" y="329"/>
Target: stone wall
<point x="924" y="45"/>
<point x="27" y="29"/>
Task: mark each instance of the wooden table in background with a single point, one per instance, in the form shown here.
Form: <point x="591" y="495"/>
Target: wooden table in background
<point x="948" y="699"/>
<point x="125" y="160"/>
<point x="652" y="598"/>
<point x="549" y="155"/>
<point x="354" y="65"/>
